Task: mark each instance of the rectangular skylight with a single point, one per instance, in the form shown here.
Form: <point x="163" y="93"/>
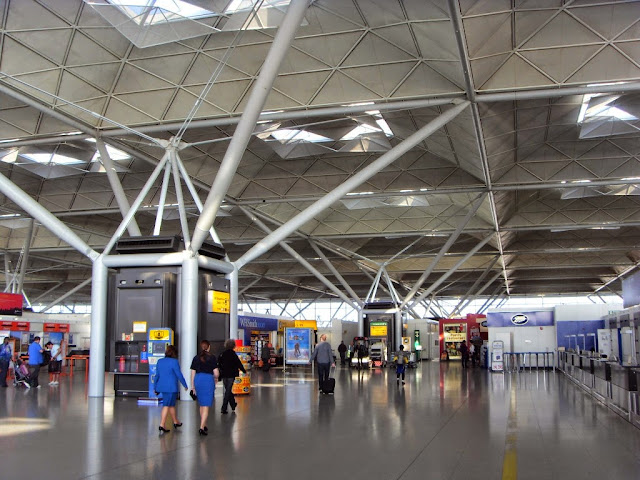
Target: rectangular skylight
<point x="150" y="12"/>
<point x="293" y="135"/>
<point x="51" y="158"/>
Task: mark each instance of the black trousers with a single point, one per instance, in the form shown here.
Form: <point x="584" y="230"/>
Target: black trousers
<point x="34" y="375"/>
<point x="4" y="366"/>
<point x="229" y="398"/>
<point x="323" y="373"/>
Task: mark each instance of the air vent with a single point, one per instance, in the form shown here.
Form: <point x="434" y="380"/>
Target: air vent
<point x="149" y="245"/>
<point x="212" y="250"/>
<point x="382" y="305"/>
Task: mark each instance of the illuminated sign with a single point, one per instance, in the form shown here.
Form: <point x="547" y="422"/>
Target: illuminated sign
<point x="378" y="329"/>
<point x="11" y="304"/>
<point x="306" y="324"/>
<point x="282" y="324"/>
<point x="220" y="302"/>
<point x="160" y="334"/>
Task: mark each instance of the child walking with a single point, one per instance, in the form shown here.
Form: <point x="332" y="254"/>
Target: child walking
<point x="401" y="359"/>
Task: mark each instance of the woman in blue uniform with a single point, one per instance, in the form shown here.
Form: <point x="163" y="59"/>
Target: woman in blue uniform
<point x="168" y="375"/>
<point x="204" y="372"/>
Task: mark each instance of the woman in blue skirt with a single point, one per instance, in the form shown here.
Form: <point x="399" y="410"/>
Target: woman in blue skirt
<point x="166" y="380"/>
<point x="204" y="372"/>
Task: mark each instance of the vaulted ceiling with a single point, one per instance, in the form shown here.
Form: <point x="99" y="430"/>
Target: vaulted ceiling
<point x="549" y="146"/>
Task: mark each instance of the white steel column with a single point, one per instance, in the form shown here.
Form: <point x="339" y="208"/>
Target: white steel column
<point x="188" y="325"/>
<point x="335" y="272"/>
<point x="233" y="278"/>
<point x="69" y="293"/>
<point x="360" y="323"/>
<point x="163" y="200"/>
<point x="116" y="186"/>
<point x="179" y="199"/>
<point x="98" y="328"/>
<point x="279" y="48"/>
<point x="25" y="256"/>
<point x="349" y="185"/>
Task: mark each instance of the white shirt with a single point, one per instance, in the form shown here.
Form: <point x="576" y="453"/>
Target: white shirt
<point x="56" y="353"/>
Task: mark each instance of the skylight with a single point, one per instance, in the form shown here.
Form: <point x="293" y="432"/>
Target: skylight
<point x="240" y="5"/>
<point x="51" y="159"/>
<point x="364" y="129"/>
<point x="292" y="135"/>
<point x="151" y="12"/>
<point x="113" y="152"/>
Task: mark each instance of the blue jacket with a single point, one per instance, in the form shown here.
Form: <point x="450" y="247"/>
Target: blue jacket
<point x="167" y="375"/>
<point x="35" y="354"/>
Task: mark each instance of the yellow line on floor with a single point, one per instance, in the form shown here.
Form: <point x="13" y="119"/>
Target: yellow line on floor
<point x="510" y="462"/>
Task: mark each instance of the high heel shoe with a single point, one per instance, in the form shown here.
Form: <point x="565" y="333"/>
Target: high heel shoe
<point x="203" y="431"/>
<point x="176" y="425"/>
<point x="163" y="430"/>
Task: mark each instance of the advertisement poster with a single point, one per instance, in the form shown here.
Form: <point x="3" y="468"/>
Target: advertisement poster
<point x="297" y="346"/>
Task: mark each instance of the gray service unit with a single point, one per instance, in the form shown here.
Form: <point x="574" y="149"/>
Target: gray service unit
<point x="152" y="295"/>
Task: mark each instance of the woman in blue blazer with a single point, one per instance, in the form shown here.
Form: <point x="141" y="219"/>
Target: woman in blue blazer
<point x="168" y="375"/>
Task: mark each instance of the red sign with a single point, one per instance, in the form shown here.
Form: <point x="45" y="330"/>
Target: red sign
<point x="6" y="325"/>
<point x="56" y="327"/>
<point x="11" y="304"/>
<point x="21" y="326"/>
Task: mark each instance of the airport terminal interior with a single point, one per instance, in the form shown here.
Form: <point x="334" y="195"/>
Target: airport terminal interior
<point x="386" y="173"/>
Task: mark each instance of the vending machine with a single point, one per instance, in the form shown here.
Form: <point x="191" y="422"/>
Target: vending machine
<point x="497" y="351"/>
<point x="158" y="340"/>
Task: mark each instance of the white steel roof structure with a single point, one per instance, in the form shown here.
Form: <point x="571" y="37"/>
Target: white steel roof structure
<point x="530" y="186"/>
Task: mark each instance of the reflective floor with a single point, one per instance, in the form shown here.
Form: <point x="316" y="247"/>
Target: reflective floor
<point x="445" y="423"/>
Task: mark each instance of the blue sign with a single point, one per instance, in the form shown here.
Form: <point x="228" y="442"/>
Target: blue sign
<point x="520" y="319"/>
<point x="257" y="323"/>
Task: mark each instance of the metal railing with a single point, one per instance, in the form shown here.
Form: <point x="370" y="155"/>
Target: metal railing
<point x="517" y="361"/>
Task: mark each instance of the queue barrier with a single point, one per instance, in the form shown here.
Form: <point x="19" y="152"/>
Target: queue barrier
<point x="517" y="361"/>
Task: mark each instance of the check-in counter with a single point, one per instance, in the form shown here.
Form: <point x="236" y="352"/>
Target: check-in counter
<point x="586" y="366"/>
<point x="634" y="400"/>
<point x="623" y="381"/>
<point x="601" y="380"/>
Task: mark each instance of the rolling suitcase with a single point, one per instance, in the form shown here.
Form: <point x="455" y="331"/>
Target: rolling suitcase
<point x="329" y="384"/>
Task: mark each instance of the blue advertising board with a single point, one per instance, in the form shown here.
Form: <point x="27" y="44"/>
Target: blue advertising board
<point x="297" y="345"/>
<point x="520" y="319"/>
<point x="257" y="323"/>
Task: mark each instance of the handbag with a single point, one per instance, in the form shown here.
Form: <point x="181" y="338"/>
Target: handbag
<point x="193" y="395"/>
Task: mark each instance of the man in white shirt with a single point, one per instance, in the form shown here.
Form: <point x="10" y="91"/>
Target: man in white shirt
<point x="55" y="365"/>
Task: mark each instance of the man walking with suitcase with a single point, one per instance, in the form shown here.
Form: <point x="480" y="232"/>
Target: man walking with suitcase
<point x="324" y="358"/>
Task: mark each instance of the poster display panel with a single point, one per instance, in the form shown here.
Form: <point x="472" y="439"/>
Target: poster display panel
<point x="298" y="346"/>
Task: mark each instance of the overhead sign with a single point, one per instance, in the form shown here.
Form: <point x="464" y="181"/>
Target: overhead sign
<point x="220" y="302"/>
<point x="520" y="319"/>
<point x="11" y="304"/>
<point x="257" y="323"/>
<point x="15" y="326"/>
<point x="282" y="324"/>
<point x="139" y="327"/>
<point x="306" y="324"/>
<point x="56" y="327"/>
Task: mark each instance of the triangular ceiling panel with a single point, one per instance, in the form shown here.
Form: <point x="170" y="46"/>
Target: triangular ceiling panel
<point x="330" y="49"/>
<point x="302" y="87"/>
<point x="436" y="40"/>
<point x="184" y="102"/>
<point x="516" y="73"/>
<point x="399" y="35"/>
<point x="48" y="42"/>
<point x="74" y="89"/>
<point x="528" y="21"/>
<point x="79" y="112"/>
<point x="102" y="77"/>
<point x="39" y="85"/>
<point x="341" y="89"/>
<point x="488" y="35"/>
<point x="425" y="81"/>
<point x="15" y="57"/>
<point x="608" y="20"/>
<point x="84" y="51"/>
<point x="371" y="49"/>
<point x="204" y="67"/>
<point x="122" y="112"/>
<point x="563" y="30"/>
<point x="608" y="65"/>
<point x="133" y="79"/>
<point x="152" y="103"/>
<point x="172" y="69"/>
<point x="225" y="95"/>
<point x="297" y="61"/>
<point x="484" y="68"/>
<point x="560" y="63"/>
<point x="382" y="79"/>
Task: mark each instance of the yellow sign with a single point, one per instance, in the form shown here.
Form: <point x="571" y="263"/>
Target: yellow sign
<point x="282" y="324"/>
<point x="306" y="324"/>
<point x="454" y="336"/>
<point x="220" y="302"/>
<point x="378" y="330"/>
<point x="160" y="334"/>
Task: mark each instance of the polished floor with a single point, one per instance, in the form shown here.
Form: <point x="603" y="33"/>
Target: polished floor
<point x="445" y="423"/>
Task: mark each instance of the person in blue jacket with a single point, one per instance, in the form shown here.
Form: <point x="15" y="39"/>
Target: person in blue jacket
<point x="168" y="375"/>
<point x="35" y="361"/>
